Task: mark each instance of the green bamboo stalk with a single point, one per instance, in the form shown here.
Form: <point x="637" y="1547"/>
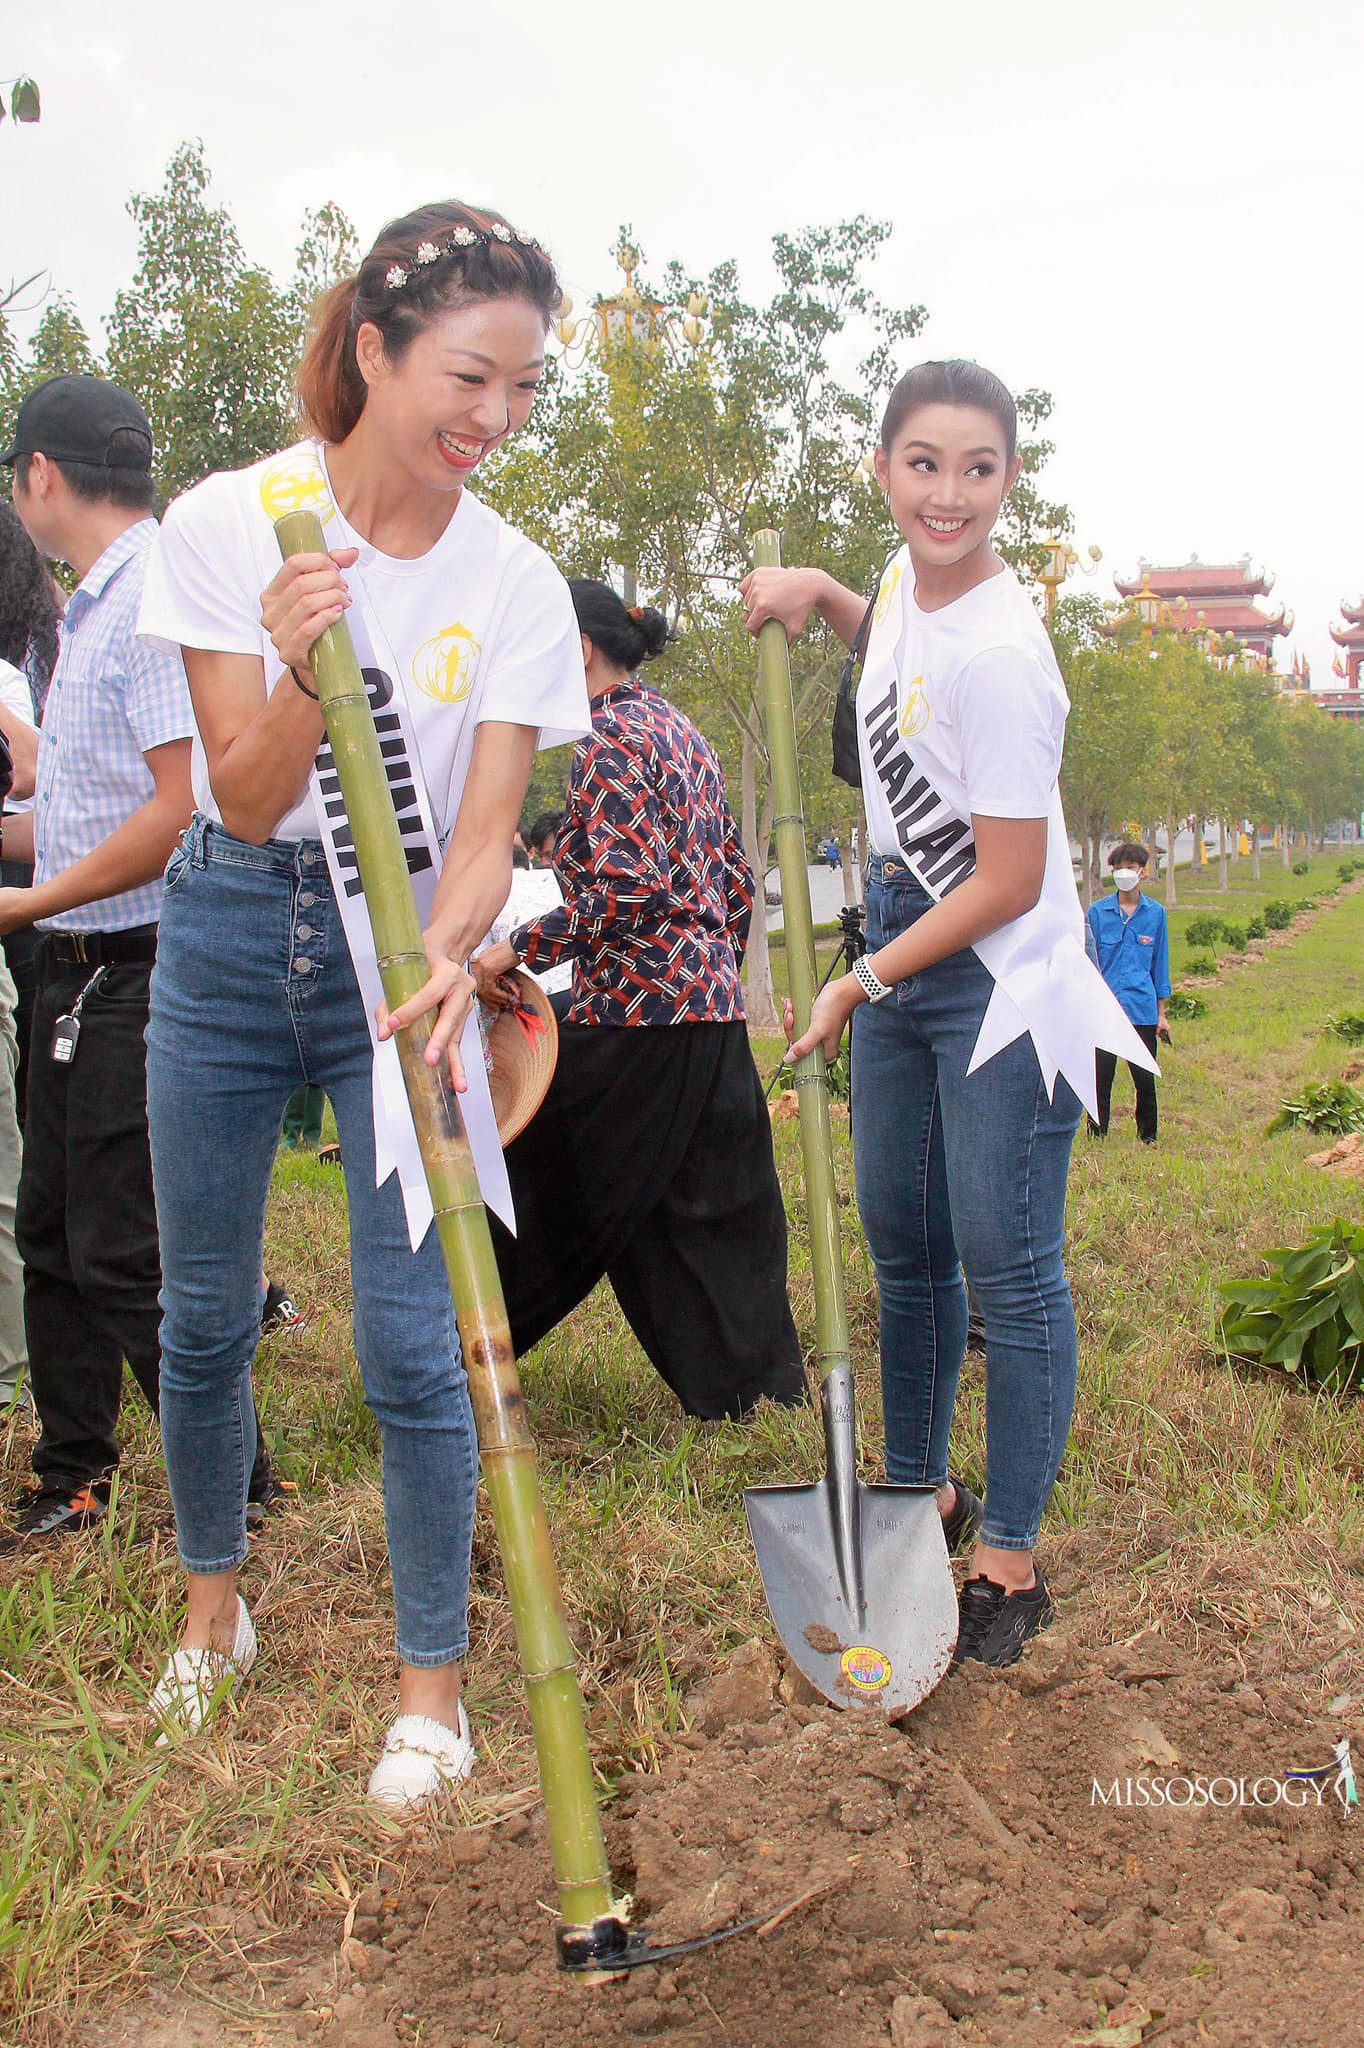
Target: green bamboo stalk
<point x="812" y="1080"/>
<point x="504" y="1441"/>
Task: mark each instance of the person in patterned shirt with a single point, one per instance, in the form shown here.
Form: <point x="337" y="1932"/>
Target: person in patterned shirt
<point x="650" y="1160"/>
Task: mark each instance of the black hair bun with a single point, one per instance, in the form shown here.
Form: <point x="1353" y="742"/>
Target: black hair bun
<point x="654" y="628"/>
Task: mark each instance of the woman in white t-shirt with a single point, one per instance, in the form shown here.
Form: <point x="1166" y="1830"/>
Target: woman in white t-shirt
<point x="417" y="368"/>
<point x="975" y="1009"/>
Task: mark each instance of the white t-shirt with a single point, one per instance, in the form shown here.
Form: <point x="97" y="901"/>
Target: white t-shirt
<point x="480" y="627"/>
<point x="962" y="710"/>
<point x="533" y="892"/>
<point x="15" y="693"/>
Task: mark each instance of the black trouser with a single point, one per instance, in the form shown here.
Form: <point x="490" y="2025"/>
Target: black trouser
<point x="1106" y="1066"/>
<point x="85" y="1222"/>
<point x="650" y="1161"/>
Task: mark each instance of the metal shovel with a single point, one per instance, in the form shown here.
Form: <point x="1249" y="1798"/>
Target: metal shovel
<point x="856" y="1577"/>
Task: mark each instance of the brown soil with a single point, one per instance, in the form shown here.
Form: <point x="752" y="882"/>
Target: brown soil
<point x="950" y="1882"/>
<point x="1345" y="1158"/>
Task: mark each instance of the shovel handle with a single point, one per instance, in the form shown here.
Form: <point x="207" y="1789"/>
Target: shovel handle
<point x="812" y="1081"/>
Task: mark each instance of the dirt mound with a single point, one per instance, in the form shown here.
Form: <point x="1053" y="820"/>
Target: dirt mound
<point x="1345" y="1158"/>
<point x="958" y="1880"/>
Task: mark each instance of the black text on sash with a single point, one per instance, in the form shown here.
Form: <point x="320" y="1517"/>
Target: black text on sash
<point x="402" y="788"/>
<point x="937" y="855"/>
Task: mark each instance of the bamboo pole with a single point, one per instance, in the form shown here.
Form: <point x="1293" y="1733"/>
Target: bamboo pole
<point x="812" y="1083"/>
<point x="592" y="1923"/>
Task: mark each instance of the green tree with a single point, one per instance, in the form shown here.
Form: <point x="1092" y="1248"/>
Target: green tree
<point x="60" y="345"/>
<point x="1107" y="772"/>
<point x="203" y="338"/>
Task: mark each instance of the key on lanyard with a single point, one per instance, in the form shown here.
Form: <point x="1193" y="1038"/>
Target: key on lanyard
<point x="67" y="1030"/>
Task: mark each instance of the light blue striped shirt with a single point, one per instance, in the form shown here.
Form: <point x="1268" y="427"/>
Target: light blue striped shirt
<point x="113" y="698"/>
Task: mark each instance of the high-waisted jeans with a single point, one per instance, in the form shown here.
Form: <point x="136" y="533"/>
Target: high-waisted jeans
<point x="253" y="995"/>
<point x="956" y="1171"/>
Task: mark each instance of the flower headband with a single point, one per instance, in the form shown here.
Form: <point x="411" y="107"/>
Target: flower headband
<point x="457" y="241"/>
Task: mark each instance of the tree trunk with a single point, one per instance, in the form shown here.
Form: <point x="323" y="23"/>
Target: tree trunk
<point x="1286" y="842"/>
<point x="1094" y="855"/>
<point x="1222" y="880"/>
<point x="845" y="862"/>
<point x="1255" y="851"/>
<point x="761" y="1003"/>
<point x="1171" y="829"/>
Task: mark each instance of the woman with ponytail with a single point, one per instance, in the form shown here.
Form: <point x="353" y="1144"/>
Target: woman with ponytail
<point x="418" y="367"/>
<point x="650" y="1160"/>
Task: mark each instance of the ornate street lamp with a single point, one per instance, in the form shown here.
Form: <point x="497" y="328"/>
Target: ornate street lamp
<point x="1058" y="560"/>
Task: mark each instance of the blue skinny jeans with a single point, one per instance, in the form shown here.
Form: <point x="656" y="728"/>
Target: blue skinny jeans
<point x="253" y="996"/>
<point x="955" y="1172"/>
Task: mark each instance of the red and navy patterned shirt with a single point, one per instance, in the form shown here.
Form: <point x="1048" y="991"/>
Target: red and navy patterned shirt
<point x="657" y="890"/>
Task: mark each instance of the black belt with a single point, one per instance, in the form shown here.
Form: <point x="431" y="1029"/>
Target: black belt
<point x="96" y="949"/>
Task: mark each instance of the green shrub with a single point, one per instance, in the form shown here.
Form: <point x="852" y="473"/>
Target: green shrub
<point x="1301" y="867"/>
<point x="840" y="1075"/>
<point x="1346" y="870"/>
<point x="1348" y="1025"/>
<point x="1333" y="1107"/>
<point x="1184" y="1004"/>
<point x="1201" y="963"/>
<point x="1308" y="1316"/>
<point x="1203" y="931"/>
<point x="1306" y="903"/>
<point x="1235" y="936"/>
<point x="1278" y="915"/>
<point x="1255" y="928"/>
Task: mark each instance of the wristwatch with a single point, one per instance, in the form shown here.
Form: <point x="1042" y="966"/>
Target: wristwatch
<point x="872" y="986"/>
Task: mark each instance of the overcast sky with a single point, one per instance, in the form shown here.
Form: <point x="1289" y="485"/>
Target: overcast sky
<point x="1153" y="212"/>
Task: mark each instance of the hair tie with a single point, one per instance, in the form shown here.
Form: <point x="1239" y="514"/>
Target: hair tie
<point x="636" y="611"/>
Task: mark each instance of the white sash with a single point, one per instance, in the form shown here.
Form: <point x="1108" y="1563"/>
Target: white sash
<point x="1045" y="983"/>
<point x="395" y="1136"/>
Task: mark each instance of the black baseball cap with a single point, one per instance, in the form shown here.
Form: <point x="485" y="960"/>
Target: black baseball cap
<point x="83" y="419"/>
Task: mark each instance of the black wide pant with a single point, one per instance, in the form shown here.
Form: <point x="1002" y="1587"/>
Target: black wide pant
<point x="85" y="1221"/>
<point x="650" y="1162"/>
<point x="1106" y="1066"/>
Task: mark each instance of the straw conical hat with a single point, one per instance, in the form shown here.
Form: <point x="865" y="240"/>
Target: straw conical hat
<point x="523" y="1044"/>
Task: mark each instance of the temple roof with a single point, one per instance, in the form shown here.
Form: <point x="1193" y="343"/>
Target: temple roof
<point x="1225" y="615"/>
<point x="1197" y="580"/>
<point x="1354" y="613"/>
<point x="1353" y="636"/>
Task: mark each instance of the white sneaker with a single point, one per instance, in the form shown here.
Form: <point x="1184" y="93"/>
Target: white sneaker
<point x="195" y="1680"/>
<point x="422" y="1758"/>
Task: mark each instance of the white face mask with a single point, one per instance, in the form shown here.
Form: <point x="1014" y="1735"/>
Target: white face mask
<point x="1126" y="878"/>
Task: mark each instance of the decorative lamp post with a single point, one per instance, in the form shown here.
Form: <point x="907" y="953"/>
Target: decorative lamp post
<point x="628" y="323"/>
<point x="1059" y="558"/>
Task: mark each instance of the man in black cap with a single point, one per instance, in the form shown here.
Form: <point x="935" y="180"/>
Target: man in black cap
<point x="112" y="797"/>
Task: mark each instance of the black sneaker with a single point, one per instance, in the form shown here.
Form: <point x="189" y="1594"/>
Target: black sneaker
<point x="961" y="1525"/>
<point x="55" y="1511"/>
<point x="279" y="1312"/>
<point x="272" y="1499"/>
<point x="995" y="1624"/>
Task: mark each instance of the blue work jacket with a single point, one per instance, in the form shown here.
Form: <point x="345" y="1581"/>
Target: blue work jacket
<point x="1134" y="954"/>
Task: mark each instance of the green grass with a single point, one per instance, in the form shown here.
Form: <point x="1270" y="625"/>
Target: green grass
<point x="119" y="1863"/>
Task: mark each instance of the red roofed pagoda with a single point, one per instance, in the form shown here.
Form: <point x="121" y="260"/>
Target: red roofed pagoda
<point x="1222" y="594"/>
<point x="1349" y="702"/>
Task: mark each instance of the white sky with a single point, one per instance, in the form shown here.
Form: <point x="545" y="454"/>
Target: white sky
<point x="1154" y="212"/>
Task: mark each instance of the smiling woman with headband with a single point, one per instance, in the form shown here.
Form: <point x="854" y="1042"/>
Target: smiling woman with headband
<point x="417" y="368"/>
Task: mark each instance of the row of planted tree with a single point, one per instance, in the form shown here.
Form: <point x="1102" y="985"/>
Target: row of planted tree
<point x="1161" y="730"/>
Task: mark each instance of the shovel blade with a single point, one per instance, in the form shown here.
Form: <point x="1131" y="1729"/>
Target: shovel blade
<point x="891" y="1654"/>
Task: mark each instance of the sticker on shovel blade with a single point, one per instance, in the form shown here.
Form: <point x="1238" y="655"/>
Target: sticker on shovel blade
<point x="864" y="1669"/>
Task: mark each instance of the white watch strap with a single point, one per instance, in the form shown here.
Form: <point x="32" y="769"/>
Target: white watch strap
<point x="875" y="989"/>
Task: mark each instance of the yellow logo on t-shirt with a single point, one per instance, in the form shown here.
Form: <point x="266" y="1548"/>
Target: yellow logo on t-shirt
<point x="295" y="483"/>
<point x="914" y="711"/>
<point x="890" y="583"/>
<point x="443" y="667"/>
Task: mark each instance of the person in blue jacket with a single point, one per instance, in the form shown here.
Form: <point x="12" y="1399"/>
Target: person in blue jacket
<point x="1134" y="959"/>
